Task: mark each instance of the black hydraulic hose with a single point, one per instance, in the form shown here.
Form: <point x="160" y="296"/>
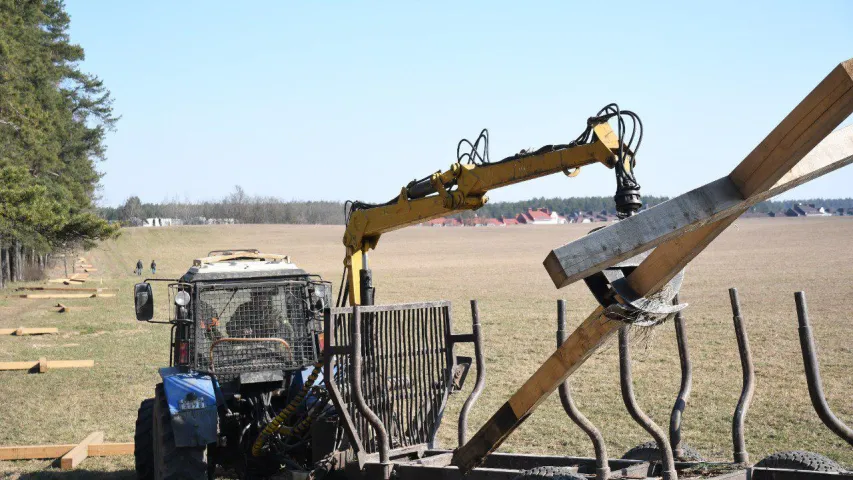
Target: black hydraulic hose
<point x="637" y="414"/>
<point x="739" y="417"/>
<point x="686" y="385"/>
<point x="602" y="468"/>
<point x="813" y="374"/>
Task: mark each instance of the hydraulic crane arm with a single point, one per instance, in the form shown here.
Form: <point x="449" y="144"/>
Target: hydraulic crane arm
<point x="464" y="187"/>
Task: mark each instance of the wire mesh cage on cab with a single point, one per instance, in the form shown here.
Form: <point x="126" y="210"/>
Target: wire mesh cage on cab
<point x="251" y="327"/>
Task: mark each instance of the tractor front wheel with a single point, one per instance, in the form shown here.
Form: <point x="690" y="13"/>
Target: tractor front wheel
<point x="172" y="462"/>
<point x="143" y="440"/>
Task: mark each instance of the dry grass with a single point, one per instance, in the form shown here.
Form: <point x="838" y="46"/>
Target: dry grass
<point x="501" y="267"/>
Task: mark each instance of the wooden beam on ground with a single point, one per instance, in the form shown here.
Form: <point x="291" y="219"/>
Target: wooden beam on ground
<point x="62" y="289"/>
<point x="110" y="449"/>
<point x="21" y="331"/>
<point x="67" y="295"/>
<point x="41" y="365"/>
<point x="32" y="452"/>
<point x="776" y="157"/>
<point x="707" y="204"/>
<point x="80" y="452"/>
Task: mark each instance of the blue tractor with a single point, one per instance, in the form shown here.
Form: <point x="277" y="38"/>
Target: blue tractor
<point x="243" y="389"/>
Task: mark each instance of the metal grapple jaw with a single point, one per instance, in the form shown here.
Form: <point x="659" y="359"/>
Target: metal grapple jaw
<point x="621" y="302"/>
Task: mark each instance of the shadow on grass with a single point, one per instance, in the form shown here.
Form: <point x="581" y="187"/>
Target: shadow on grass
<point x="78" y="474"/>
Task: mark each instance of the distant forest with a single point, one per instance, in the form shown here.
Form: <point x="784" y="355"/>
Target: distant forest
<point x="244" y="208"/>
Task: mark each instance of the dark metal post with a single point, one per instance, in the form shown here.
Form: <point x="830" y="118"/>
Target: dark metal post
<point x="360" y="403"/>
<point x="602" y="468"/>
<point x="740" y="453"/>
<point x="812" y="369"/>
<point x="637" y="414"/>
<point x="686" y="384"/>
<point x="368" y="293"/>
<point x="481" y="373"/>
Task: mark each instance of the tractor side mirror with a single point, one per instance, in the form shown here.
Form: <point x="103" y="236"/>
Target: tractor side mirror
<point x="143" y="300"/>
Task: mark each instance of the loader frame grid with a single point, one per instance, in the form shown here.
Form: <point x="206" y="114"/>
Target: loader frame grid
<point x="251" y="327"/>
<point x="405" y="362"/>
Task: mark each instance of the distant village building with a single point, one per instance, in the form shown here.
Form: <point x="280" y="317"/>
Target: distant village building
<point x="161" y="222"/>
<point x="810" y="210"/>
<point x="541" y="216"/>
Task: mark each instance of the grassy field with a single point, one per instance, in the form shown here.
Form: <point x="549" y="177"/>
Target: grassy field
<point x="766" y="259"/>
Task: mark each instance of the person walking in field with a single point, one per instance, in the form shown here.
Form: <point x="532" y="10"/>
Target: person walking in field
<point x="139" y="267"/>
<point x="153" y="267"/>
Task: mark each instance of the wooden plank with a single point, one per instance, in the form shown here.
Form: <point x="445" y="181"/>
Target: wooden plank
<point x="823" y="109"/>
<point x="47" y="364"/>
<point x="61" y="289"/>
<point x="18" y="365"/>
<point x="20" y="331"/>
<point x="71" y="364"/>
<point x="707" y="204"/>
<point x="57" y="295"/>
<point x="110" y="449"/>
<point x="813" y="119"/>
<point x="28" y="452"/>
<point x="80" y="452"/>
<point x="31" y="452"/>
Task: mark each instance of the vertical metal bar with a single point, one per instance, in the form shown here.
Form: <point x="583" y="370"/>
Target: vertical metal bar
<point x="812" y="369"/>
<point x="411" y="373"/>
<point x="435" y="374"/>
<point x="481" y="374"/>
<point x="387" y="390"/>
<point x="400" y="401"/>
<point x="361" y="404"/>
<point x="686" y="384"/>
<point x="739" y="443"/>
<point x="330" y="334"/>
<point x="637" y="414"/>
<point x="602" y="468"/>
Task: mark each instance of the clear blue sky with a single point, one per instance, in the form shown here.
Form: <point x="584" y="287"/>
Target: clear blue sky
<point x="337" y="101"/>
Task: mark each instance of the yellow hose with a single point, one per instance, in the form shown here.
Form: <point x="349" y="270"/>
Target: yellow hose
<point x="285" y="414"/>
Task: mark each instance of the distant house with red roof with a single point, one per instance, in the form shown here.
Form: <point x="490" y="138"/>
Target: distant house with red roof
<point x="452" y="222"/>
<point x="540" y="216"/>
<point x="508" y="220"/>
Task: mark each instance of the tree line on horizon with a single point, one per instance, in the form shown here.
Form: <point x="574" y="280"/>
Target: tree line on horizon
<point x="249" y="209"/>
<point x="53" y="119"/>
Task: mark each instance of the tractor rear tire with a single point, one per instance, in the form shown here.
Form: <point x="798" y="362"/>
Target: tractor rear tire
<point x="800" y="460"/>
<point x="649" y="452"/>
<point x="172" y="462"/>
<point x="143" y="441"/>
<point x="550" y="473"/>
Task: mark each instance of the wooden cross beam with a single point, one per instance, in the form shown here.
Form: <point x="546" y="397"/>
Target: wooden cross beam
<point x="680" y="228"/>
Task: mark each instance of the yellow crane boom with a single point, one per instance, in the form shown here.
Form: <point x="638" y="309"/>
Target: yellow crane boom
<point x="464" y="187"/>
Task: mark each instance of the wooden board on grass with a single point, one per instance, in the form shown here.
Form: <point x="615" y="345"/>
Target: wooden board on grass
<point x="80" y="451"/>
<point x="32" y="452"/>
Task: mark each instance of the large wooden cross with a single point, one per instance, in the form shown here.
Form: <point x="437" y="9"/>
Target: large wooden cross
<point x="799" y="149"/>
